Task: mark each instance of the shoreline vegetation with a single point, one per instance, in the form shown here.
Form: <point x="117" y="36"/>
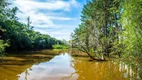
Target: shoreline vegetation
<point x="110" y="27"/>
<point x="17" y="36"/>
<point x="58" y="46"/>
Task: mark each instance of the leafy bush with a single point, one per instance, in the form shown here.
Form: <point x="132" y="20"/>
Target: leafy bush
<point x="58" y="46"/>
<point x="2" y="47"/>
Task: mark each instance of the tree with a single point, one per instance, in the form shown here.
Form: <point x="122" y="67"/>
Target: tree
<point x="96" y="34"/>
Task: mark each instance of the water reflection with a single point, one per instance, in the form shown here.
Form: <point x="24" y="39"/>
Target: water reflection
<point x="129" y="72"/>
<point x="58" y="68"/>
<point x="98" y="71"/>
<point x="66" y="67"/>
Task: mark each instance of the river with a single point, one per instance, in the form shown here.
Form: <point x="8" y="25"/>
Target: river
<point x="61" y="66"/>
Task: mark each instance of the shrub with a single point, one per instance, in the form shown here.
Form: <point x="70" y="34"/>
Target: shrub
<point x="58" y="46"/>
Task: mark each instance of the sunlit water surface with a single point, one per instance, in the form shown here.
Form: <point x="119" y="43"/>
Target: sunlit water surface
<point x="66" y="67"/>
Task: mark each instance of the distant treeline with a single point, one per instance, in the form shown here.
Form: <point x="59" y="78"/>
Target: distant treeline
<point x="17" y="36"/>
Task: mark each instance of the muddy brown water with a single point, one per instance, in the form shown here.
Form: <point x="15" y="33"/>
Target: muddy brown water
<point x="62" y="66"/>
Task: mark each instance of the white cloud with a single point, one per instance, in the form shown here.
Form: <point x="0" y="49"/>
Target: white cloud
<point x="27" y="5"/>
<point x="42" y="19"/>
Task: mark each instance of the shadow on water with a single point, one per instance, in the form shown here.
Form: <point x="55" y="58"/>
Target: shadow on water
<point x="50" y="65"/>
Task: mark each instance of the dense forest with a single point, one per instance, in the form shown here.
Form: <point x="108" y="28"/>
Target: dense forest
<point x="16" y="36"/>
<point x="110" y="27"/>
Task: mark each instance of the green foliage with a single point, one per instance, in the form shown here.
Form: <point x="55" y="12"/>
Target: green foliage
<point x="2" y="47"/>
<point x="20" y="36"/>
<point x="57" y="46"/>
<point x="132" y="35"/>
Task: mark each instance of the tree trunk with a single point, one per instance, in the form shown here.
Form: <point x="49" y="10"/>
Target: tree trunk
<point x="105" y="26"/>
<point x="88" y="53"/>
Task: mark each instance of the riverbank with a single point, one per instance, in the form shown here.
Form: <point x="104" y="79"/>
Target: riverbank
<point x="59" y="64"/>
<point x="33" y="56"/>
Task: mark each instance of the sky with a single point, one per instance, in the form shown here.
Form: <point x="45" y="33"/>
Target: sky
<point x="57" y="18"/>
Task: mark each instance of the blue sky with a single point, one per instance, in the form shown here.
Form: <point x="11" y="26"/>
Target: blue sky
<point x="58" y="18"/>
